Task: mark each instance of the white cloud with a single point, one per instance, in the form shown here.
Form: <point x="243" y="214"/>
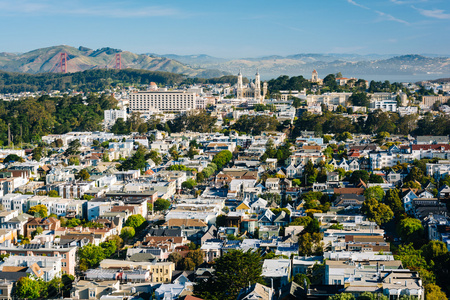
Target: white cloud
<point x="408" y="1"/>
<point x="385" y="16"/>
<point x="391" y="17"/>
<point x="433" y="13"/>
<point x="357" y="4"/>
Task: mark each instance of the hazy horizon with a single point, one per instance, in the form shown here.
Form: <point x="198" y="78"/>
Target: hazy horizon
<point x="232" y="29"/>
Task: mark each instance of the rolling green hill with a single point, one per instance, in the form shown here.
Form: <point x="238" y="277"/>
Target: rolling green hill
<point x="82" y="58"/>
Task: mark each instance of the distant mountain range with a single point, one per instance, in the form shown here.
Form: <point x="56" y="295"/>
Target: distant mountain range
<point x="428" y="66"/>
<point x="348" y="64"/>
<point x="82" y="58"/>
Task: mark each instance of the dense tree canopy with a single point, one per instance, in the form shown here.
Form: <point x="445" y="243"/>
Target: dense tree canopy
<point x="86" y="81"/>
<point x="199" y="121"/>
<point x="39" y="210"/>
<point x="255" y="124"/>
<point x="135" y="221"/>
<point x="376" y="211"/>
<point x="161" y="204"/>
<point x="222" y="158"/>
<point x="32" y="118"/>
<point x="377" y="121"/>
<point x="233" y="270"/>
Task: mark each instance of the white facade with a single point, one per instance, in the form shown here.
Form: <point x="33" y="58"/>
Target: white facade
<point x="328" y="99"/>
<point x="177" y="101"/>
<point x="384" y="105"/>
<point x="111" y="116"/>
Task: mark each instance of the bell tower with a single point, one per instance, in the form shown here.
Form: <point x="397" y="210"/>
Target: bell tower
<point x="257" y="86"/>
<point x="240" y="86"/>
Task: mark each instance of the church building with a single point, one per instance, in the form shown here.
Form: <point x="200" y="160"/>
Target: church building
<point x="252" y="90"/>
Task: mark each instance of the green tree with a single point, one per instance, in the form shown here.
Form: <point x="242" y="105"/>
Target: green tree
<point x="392" y="199"/>
<point x="161" y="204"/>
<point x="74" y="161"/>
<point x="127" y="233"/>
<point x="300" y="280"/>
<point x="189" y="184"/>
<point x="434" y="292"/>
<point x="109" y="247"/>
<point x="90" y="256"/>
<point x="39" y="210"/>
<point x="83" y="175"/>
<point x="135" y="221"/>
<point x="196" y="256"/>
<point x="374" y="178"/>
<point x="143" y="128"/>
<point x="67" y="281"/>
<point x="301" y="221"/>
<point x="338" y="226"/>
<point x="411" y="258"/>
<point x="233" y="270"/>
<point x="359" y="175"/>
<point x="13" y="158"/>
<point x="433" y="249"/>
<point x="27" y="288"/>
<point x="412" y="184"/>
<point x="87" y="197"/>
<point x="37" y="153"/>
<point x="342" y="296"/>
<point x="344" y="136"/>
<point x="359" y="99"/>
<point x="53" y="287"/>
<point x="374" y="192"/>
<point x="222" y="158"/>
<point x="175" y="257"/>
<point x="376" y="211"/>
<point x="138" y="160"/>
<point x="53" y="193"/>
<point x="173" y="151"/>
<point x="188" y="264"/>
<point x="310" y="244"/>
<point x="38" y="231"/>
<point x="410" y="230"/>
<point x="372" y="296"/>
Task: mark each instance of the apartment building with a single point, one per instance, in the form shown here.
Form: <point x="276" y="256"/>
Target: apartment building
<point x="68" y="260"/>
<point x="149" y="101"/>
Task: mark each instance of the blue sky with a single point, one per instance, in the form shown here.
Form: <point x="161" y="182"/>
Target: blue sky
<point x="229" y="29"/>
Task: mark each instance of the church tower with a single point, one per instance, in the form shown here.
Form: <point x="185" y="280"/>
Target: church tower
<point x="240" y="86"/>
<point x="257" y="86"/>
<point x="315" y="76"/>
<point x="264" y="91"/>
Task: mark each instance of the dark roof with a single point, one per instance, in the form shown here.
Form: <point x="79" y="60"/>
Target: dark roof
<point x="142" y="257"/>
<point x="292" y="291"/>
<point x="188" y="274"/>
<point x="164" y="232"/>
<point x="12" y="276"/>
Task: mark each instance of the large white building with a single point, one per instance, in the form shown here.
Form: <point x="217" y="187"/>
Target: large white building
<point x="384" y="105"/>
<point x="149" y="101"/>
<point x="328" y="99"/>
<point x="111" y="116"/>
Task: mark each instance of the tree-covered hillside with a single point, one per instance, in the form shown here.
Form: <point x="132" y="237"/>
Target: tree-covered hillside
<point x="32" y="118"/>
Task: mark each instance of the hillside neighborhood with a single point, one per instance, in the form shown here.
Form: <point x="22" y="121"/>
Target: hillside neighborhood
<point x="240" y="190"/>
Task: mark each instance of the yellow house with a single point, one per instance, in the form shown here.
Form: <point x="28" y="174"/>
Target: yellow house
<point x="243" y="207"/>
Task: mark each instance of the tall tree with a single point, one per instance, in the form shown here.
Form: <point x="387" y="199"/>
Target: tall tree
<point x="376" y="211"/>
<point x="233" y="270"/>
